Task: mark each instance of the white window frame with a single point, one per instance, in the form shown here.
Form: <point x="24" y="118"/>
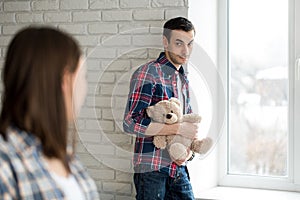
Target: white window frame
<point x="292" y="181"/>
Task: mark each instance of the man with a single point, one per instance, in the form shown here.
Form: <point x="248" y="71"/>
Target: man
<point x="157" y="176"/>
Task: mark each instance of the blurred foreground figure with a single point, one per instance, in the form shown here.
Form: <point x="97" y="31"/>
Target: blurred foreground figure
<point x="39" y="103"/>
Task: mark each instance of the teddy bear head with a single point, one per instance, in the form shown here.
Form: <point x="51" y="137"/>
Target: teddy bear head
<point x="165" y="111"/>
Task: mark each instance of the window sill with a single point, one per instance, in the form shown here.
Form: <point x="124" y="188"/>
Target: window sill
<point x="233" y="193"/>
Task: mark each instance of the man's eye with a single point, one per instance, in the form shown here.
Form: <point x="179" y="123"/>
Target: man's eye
<point x="178" y="44"/>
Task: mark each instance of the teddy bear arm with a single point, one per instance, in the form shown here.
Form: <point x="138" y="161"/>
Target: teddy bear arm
<point x="201" y="146"/>
<point x="192" y="118"/>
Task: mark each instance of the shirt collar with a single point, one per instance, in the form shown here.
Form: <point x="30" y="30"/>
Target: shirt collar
<point x="167" y="66"/>
<point x="22" y="141"/>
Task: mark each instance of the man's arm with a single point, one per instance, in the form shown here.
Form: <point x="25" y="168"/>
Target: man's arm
<point x="185" y="129"/>
<point x="140" y="96"/>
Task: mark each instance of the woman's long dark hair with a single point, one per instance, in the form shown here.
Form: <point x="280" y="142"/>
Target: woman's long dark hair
<point x="33" y="99"/>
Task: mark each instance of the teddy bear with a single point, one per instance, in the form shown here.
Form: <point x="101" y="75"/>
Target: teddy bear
<point x="169" y="112"/>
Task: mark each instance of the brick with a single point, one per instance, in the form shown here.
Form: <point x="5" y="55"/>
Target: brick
<point x="117" y="40"/>
<point x="121" y="102"/>
<point x="117" y="15"/>
<point x="133" y="53"/>
<point x="106" y="125"/>
<point x="100" y="52"/>
<point x="93" y="77"/>
<point x="57" y="17"/>
<point x="121" y="89"/>
<point x="107" y="77"/>
<point x="171" y="13"/>
<point x="88" y="113"/>
<point x="120" y="164"/>
<point x="103" y="102"/>
<point x="7" y="17"/>
<point x="4" y="40"/>
<point x="119" y="197"/>
<point x="119" y="139"/>
<point x="100" y="149"/>
<point x="124" y="188"/>
<point x="133" y="28"/>
<point x="29" y="17"/>
<point x="12" y="29"/>
<point x="17" y="6"/>
<point x="101" y="28"/>
<point x="93" y="64"/>
<point x="106" y="196"/>
<point x="107" y="114"/>
<point x="73" y="4"/>
<point x="102" y="174"/>
<point x="90" y="137"/>
<point x="167" y="3"/>
<point x="147" y="40"/>
<point x="106" y="89"/>
<point x="74" y="28"/>
<point x="87" y="40"/>
<point x="89" y="161"/>
<point x="134" y="3"/>
<point x="118" y="65"/>
<point x="45" y="5"/>
<point x="86" y="16"/>
<point x="123" y="177"/>
<point x="92" y="124"/>
<point x="150" y="14"/>
<point x="104" y="4"/>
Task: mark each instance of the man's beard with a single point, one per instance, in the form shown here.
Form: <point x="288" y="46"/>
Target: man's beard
<point x="174" y="58"/>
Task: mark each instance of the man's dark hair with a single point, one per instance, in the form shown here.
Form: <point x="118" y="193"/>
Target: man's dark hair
<point x="178" y="23"/>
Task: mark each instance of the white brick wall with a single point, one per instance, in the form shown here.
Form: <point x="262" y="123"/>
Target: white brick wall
<point x="116" y="36"/>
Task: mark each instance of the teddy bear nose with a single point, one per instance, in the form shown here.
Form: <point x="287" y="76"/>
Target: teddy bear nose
<point x="168" y="116"/>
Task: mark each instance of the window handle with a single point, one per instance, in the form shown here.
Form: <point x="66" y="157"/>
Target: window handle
<point x="297" y="70"/>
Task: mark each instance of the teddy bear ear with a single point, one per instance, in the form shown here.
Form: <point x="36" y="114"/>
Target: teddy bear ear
<point x="175" y="100"/>
<point x="149" y="111"/>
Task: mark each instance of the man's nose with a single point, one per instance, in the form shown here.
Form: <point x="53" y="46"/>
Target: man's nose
<point x="185" y="50"/>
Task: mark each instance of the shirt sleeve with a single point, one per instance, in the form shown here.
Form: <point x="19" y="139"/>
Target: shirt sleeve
<point x="142" y="86"/>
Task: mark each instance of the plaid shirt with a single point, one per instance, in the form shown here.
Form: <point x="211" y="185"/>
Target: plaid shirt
<point x="151" y="83"/>
<point x="24" y="173"/>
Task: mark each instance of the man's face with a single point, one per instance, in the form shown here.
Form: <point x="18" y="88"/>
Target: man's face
<point x="180" y="46"/>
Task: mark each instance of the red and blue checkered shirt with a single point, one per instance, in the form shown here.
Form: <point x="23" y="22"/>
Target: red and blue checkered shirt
<point x="151" y="83"/>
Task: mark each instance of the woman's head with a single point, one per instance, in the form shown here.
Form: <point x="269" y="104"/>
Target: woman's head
<point x="38" y="75"/>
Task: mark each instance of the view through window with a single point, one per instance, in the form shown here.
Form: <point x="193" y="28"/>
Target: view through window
<point x="258" y="82"/>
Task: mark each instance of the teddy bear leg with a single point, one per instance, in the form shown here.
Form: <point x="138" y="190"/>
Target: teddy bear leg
<point x="178" y="151"/>
<point x="160" y="141"/>
<point x="201" y="146"/>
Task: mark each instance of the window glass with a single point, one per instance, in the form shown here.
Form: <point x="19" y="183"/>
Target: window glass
<point x="258" y="85"/>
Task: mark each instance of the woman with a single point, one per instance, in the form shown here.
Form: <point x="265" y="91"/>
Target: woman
<point x="37" y="108"/>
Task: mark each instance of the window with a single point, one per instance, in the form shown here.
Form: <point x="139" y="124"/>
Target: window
<point x="263" y="90"/>
<point x="259" y="87"/>
<point x="255" y="45"/>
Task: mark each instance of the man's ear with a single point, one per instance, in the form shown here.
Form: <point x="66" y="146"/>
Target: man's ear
<point x="165" y="42"/>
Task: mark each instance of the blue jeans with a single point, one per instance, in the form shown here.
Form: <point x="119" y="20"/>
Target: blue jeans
<point x="160" y="186"/>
